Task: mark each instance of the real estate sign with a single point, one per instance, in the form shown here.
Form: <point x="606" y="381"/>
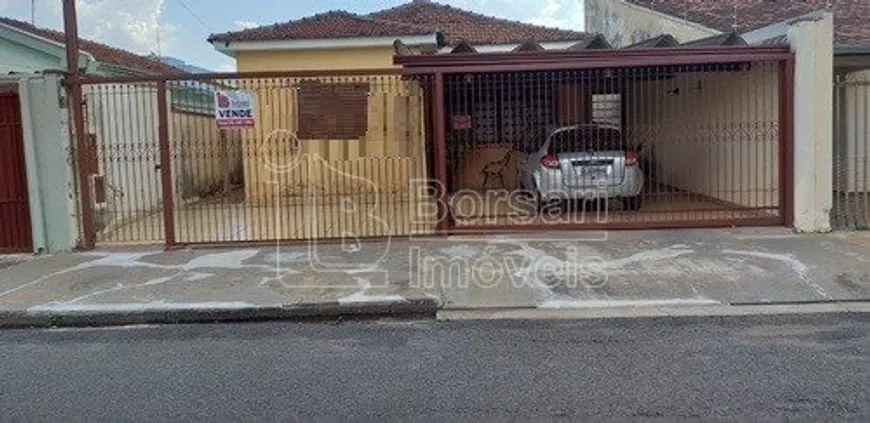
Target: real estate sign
<point x="234" y="109"/>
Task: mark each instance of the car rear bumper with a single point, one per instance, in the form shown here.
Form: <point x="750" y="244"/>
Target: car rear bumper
<point x="553" y="188"/>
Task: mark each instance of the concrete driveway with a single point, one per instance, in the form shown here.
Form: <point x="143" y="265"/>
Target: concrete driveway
<point x="638" y="268"/>
<point x="568" y="270"/>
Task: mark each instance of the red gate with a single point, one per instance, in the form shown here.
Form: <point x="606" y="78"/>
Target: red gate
<point x="15" y="236"/>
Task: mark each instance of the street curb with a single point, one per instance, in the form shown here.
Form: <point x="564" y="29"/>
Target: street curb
<point x="419" y="308"/>
<point x="593" y="313"/>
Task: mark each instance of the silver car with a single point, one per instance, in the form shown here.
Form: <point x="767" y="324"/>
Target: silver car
<point x="584" y="162"/>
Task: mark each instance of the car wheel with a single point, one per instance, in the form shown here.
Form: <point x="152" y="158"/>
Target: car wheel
<point x="632" y="203"/>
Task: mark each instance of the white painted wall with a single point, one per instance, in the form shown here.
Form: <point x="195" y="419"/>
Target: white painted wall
<point x="623" y="23"/>
<point x="812" y="42"/>
<point x="50" y="171"/>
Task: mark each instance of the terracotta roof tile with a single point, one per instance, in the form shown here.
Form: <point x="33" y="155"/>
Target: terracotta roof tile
<point x="457" y="24"/>
<point x="101" y="52"/>
<point x="414" y="18"/>
<point x="332" y="24"/>
<point x="747" y="15"/>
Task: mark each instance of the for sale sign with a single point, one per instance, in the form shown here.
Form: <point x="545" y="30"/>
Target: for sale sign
<point x="234" y="109"/>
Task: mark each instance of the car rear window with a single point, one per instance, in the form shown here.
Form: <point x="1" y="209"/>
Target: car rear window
<point x="587" y="139"/>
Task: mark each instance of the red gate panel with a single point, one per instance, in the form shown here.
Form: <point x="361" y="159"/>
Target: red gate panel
<point x="15" y="235"/>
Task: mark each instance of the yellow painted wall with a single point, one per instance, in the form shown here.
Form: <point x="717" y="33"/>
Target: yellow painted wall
<point x="329" y="59"/>
<point x="375" y="168"/>
<point x="718" y="135"/>
<point x="383" y="160"/>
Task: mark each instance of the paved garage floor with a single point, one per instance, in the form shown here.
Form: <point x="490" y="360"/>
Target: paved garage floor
<point x="218" y="221"/>
<point x="494" y="208"/>
<point x="235" y="220"/>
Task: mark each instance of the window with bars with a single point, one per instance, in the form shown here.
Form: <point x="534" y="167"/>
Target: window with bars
<point x="607" y="108"/>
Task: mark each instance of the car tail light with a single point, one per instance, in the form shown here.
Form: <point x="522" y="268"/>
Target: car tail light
<point x="550" y="161"/>
<point x="631" y="158"/>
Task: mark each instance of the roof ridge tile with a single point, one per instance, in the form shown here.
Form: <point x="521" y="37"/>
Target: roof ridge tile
<point x="313" y="20"/>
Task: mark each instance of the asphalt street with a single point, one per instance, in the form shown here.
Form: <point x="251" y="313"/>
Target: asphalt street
<point x="810" y="366"/>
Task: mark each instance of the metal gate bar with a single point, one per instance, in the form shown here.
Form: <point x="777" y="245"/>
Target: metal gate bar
<point x="851" y="152"/>
<point x="331" y="155"/>
<point x="741" y="157"/>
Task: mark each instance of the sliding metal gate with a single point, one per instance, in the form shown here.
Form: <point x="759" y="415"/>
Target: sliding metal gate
<point x="644" y="139"/>
<point x="256" y="157"/>
<point x="852" y="152"/>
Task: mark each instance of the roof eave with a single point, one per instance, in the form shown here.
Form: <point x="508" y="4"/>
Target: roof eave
<point x="231" y="48"/>
<point x="852" y="50"/>
<point x="506" y="48"/>
<point x="585" y="59"/>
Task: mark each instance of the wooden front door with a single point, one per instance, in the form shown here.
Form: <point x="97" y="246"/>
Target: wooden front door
<point x="15" y="235"/>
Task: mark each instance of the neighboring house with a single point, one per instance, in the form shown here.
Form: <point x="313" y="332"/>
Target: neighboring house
<point x="122" y="139"/>
<point x="624" y="22"/>
<point x="25" y="48"/>
<point x="758" y="22"/>
<point x="180" y="64"/>
<point x="375" y="117"/>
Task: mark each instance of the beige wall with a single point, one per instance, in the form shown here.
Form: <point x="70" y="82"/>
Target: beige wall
<point x="812" y="42"/>
<point x="624" y="24"/>
<point x="718" y="136"/>
<point x="389" y="154"/>
<point x="207" y="161"/>
<point x="853" y="134"/>
<point x="329" y="59"/>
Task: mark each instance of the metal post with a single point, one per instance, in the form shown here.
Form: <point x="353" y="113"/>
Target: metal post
<point x="165" y="165"/>
<point x="76" y="102"/>
<point x="440" y="153"/>
<point x="786" y="141"/>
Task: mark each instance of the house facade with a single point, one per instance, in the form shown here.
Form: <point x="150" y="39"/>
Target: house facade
<point x="490" y="116"/>
<point x="768" y="23"/>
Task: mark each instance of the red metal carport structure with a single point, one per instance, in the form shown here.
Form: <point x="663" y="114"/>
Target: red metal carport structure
<point x="435" y="71"/>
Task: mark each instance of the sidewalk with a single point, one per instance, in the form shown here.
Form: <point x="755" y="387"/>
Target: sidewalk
<point x="602" y="273"/>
